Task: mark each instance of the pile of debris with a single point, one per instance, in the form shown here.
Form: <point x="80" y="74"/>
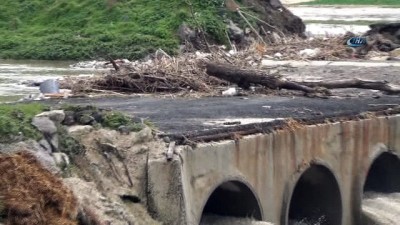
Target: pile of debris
<point x="208" y="74"/>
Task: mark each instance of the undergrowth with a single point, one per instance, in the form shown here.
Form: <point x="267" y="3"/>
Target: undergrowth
<point x="84" y="29"/>
<point x="15" y="122"/>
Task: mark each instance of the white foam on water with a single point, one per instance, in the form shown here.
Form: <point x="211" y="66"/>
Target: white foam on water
<point x="346" y="13"/>
<point x="382" y="209"/>
<point x="227" y="220"/>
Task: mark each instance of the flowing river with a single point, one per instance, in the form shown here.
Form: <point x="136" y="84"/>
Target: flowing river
<point x="17" y="76"/>
<point x="381" y="209"/>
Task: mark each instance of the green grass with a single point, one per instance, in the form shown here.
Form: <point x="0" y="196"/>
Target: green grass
<point x="15" y="122"/>
<point x="354" y="2"/>
<point x="86" y="29"/>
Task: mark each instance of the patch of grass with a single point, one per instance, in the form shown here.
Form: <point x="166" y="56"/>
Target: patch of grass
<point x="85" y="29"/>
<point x="114" y="120"/>
<point x="15" y="121"/>
<point x="109" y="119"/>
<point x="354" y="2"/>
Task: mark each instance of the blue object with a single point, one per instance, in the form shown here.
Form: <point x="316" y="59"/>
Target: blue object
<point x="49" y="87"/>
<point x="357" y="41"/>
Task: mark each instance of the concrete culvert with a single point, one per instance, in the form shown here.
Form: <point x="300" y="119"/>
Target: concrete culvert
<point x="381" y="197"/>
<point x="232" y="203"/>
<point x="316" y="199"/>
<point x="383" y="176"/>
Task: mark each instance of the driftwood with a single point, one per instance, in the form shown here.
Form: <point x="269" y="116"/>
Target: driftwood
<point x="244" y="77"/>
<point x="356" y="83"/>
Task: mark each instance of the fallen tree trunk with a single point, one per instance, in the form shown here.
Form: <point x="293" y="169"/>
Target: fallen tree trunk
<point x="356" y="83"/>
<point x="244" y="77"/>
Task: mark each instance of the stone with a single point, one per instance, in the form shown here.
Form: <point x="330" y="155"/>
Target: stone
<point x="69" y="118"/>
<point x="61" y="159"/>
<point x="44" y="125"/>
<point x="45" y="145"/>
<point x="54" y="142"/>
<point x="100" y="206"/>
<point x="235" y="32"/>
<point x="145" y="135"/>
<point x="124" y="129"/>
<point x="42" y="155"/>
<point x="278" y="55"/>
<point x="395" y="54"/>
<point x="86" y="119"/>
<point x="186" y="33"/>
<point x="310" y="53"/>
<point x="230" y="92"/>
<point x="55" y="115"/>
<point x="79" y="129"/>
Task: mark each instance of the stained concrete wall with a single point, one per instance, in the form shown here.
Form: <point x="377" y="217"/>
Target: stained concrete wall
<point x="271" y="164"/>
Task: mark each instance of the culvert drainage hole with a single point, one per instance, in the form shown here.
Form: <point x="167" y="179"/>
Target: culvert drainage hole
<point x="381" y="198"/>
<point x="316" y="199"/>
<point x="211" y="219"/>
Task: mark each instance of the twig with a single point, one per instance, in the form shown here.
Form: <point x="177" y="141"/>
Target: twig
<point x="262" y="21"/>
<point x="198" y="24"/>
<point x="251" y="26"/>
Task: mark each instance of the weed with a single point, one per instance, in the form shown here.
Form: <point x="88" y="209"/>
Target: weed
<point x="15" y="122"/>
<point x="83" y="29"/>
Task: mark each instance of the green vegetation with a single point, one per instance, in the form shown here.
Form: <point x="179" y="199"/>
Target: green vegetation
<point x="84" y="29"/>
<point x="104" y="118"/>
<point x="15" y="122"/>
<point x="354" y="2"/>
<point x="114" y="120"/>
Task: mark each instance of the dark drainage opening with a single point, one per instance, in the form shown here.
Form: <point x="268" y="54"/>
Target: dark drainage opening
<point x="384" y="174"/>
<point x="381" y="196"/>
<point x="233" y="199"/>
<point x="316" y="199"/>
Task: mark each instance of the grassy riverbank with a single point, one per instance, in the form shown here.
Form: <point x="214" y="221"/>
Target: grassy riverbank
<point x="84" y="29"/>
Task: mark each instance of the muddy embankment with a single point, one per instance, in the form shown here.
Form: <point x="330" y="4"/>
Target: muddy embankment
<point x="89" y="168"/>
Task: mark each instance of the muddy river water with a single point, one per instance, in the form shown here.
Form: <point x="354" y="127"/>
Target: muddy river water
<point x="16" y="76"/>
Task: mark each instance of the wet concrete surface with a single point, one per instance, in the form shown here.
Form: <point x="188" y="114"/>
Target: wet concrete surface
<point x="185" y="115"/>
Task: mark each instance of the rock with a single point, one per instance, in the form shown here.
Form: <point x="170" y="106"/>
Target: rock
<point x="395" y="54"/>
<point x="166" y="139"/>
<point x="124" y="129"/>
<point x="107" y="147"/>
<point x="145" y="135"/>
<point x="235" y="33"/>
<point x="69" y="118"/>
<point x="55" y="115"/>
<point x="186" y="33"/>
<point x="42" y="155"/>
<point x="54" y="142"/>
<point x="86" y="119"/>
<point x="92" y="203"/>
<point x="44" y="125"/>
<point x="61" y="159"/>
<point x="310" y="53"/>
<point x="278" y="55"/>
<point x="79" y="129"/>
<point x="230" y="92"/>
<point x="45" y="145"/>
